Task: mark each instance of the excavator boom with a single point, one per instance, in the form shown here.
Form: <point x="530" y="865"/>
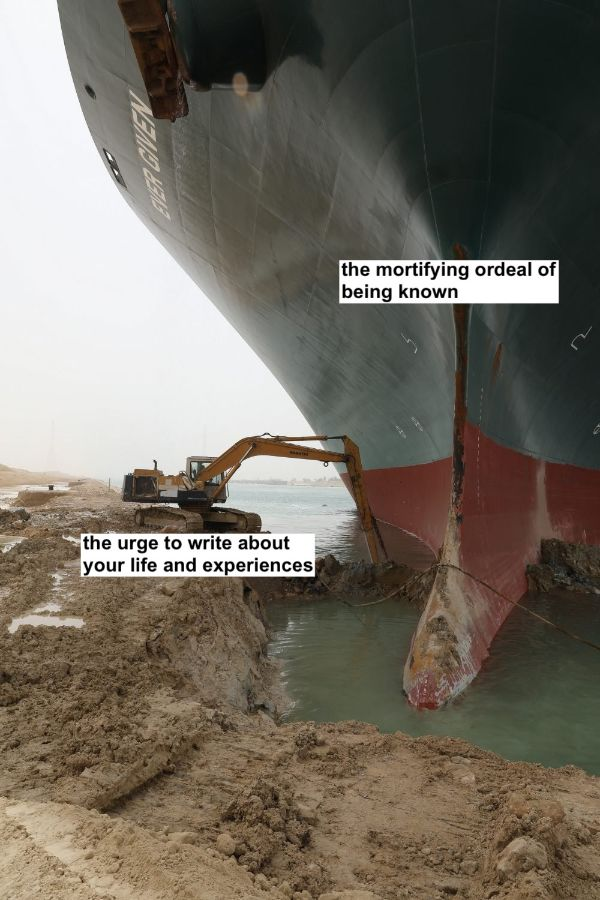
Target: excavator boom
<point x="291" y="447"/>
<point x="192" y="494"/>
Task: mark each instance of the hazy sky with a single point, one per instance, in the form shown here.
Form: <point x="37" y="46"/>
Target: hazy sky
<point x="81" y="342"/>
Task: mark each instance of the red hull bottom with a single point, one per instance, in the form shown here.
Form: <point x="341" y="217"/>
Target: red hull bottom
<point x="510" y="501"/>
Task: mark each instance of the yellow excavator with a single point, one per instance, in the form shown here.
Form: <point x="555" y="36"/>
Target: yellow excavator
<point x="203" y="484"/>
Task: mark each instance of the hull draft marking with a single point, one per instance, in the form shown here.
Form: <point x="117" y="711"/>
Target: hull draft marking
<point x="583" y="336"/>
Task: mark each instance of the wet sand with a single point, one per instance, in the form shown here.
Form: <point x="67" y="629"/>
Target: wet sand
<point x="141" y="757"/>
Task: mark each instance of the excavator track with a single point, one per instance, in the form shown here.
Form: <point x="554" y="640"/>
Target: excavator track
<point x="253" y="523"/>
<point x="228" y="519"/>
<point x="169" y="518"/>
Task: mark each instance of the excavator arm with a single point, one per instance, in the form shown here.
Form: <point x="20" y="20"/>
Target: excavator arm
<point x="229" y="462"/>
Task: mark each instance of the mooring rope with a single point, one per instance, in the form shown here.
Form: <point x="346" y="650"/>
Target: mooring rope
<point x="440" y="565"/>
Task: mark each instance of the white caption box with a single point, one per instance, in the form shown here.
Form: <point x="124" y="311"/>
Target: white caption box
<point x="200" y="555"/>
<point x="471" y="281"/>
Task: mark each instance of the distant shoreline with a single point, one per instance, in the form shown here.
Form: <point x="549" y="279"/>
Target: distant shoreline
<point x="276" y="482"/>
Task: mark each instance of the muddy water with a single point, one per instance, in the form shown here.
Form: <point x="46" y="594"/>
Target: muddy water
<point x="45" y="621"/>
<point x="537" y="698"/>
<point x="8" y="541"/>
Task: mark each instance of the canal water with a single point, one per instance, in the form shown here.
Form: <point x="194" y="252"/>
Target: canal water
<point x="536" y="699"/>
<point x="327" y="512"/>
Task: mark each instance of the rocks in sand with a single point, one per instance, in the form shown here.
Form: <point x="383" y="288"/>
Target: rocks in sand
<point x="187" y="837"/>
<point x="551" y="809"/>
<point x="12" y="517"/>
<point x="225" y="844"/>
<point x="349" y="895"/>
<point x="547" y="816"/>
<point x="467" y="778"/>
<point x="468" y="866"/>
<point x="521" y="855"/>
<point x="327" y="567"/>
<point x="306" y="812"/>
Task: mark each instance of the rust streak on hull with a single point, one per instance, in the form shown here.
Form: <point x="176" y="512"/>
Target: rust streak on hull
<point x="440" y="663"/>
<point x="156" y="56"/>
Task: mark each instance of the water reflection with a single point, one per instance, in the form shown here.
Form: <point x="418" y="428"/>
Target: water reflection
<point x="536" y="698"/>
<point x="52" y="621"/>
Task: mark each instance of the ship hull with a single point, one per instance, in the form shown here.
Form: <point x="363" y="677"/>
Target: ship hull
<point x="511" y="501"/>
<point x="393" y="130"/>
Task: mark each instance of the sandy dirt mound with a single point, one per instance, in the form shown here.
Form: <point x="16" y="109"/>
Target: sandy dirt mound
<point x="354" y="583"/>
<point x="37" y="498"/>
<point x="141" y="759"/>
<point x="563" y="566"/>
<point x="58" y="851"/>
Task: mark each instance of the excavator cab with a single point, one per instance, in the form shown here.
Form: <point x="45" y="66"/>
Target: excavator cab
<point x="195" y="465"/>
<point x="189" y="488"/>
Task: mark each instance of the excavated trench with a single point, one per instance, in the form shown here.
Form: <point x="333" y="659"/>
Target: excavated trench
<point x="342" y="658"/>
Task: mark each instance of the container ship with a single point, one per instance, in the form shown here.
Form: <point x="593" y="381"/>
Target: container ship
<point x="261" y="141"/>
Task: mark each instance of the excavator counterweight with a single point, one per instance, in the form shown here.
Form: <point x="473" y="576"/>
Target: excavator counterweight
<point x="204" y="482"/>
